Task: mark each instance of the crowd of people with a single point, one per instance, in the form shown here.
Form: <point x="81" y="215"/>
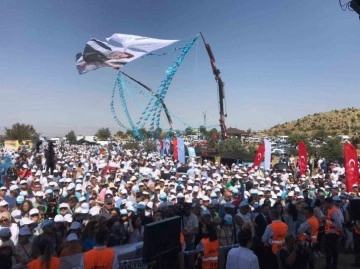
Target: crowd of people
<point x="93" y="199"/>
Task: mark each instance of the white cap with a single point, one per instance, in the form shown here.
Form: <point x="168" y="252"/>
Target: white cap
<point x="71" y="186"/>
<point x="78" y="187"/>
<point x="23" y="182"/>
<point x="59" y="218"/>
<point x="16" y="214"/>
<point x="84" y="208"/>
<point x="3" y="203"/>
<point x="68" y="218"/>
<point x="62" y="205"/>
<point x="25" y="221"/>
<point x="33" y="211"/>
<point x="39" y="194"/>
<point x="14" y="187"/>
<point x="94" y="211"/>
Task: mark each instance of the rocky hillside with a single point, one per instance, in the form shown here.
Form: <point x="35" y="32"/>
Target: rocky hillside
<point x="334" y="122"/>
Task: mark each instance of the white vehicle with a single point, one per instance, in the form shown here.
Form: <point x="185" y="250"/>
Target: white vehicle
<point x="55" y="140"/>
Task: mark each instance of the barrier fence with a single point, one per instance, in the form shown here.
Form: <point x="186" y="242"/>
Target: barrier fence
<point x="130" y="257"/>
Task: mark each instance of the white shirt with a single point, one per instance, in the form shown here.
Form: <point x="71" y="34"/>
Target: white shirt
<point x="242" y="258"/>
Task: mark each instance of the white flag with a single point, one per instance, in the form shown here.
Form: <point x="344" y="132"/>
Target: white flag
<point x="267" y="154"/>
<point x="98" y="53"/>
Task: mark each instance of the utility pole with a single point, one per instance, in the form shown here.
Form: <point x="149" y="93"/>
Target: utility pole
<point x="204" y="114"/>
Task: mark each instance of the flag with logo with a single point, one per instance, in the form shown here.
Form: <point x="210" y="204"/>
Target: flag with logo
<point x="98" y="53"/>
<point x="159" y="146"/>
<point x="351" y="166"/>
<point x="259" y="155"/>
<point x="166" y="147"/>
<point x="302" y="161"/>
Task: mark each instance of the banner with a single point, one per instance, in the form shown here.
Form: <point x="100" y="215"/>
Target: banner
<point x="175" y="149"/>
<point x="192" y="153"/>
<point x="259" y="155"/>
<point x="98" y="53"/>
<point x="267" y="144"/>
<point x="351" y="166"/>
<point x="181" y="149"/>
<point x="302" y="161"/>
<point x="159" y="146"/>
<point x="166" y="147"/>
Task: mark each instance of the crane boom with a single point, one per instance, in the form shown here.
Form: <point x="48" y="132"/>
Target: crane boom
<point x="221" y="91"/>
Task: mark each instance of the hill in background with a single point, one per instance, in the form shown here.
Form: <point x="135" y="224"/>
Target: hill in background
<point x="334" y="122"/>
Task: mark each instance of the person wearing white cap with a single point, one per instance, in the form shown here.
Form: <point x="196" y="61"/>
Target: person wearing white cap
<point x="11" y="198"/>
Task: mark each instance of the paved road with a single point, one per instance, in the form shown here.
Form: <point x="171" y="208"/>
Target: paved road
<point x="346" y="261"/>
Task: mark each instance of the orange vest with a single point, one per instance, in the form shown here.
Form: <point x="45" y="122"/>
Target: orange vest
<point x="182" y="242"/>
<point x="280" y="230"/>
<point x="99" y="258"/>
<point x="329" y="229"/>
<point x="211" y="254"/>
<point x="36" y="264"/>
<point x="314" y="224"/>
<point x="357" y="230"/>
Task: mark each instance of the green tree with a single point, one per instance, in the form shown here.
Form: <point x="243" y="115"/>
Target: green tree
<point x="321" y="135"/>
<point x="202" y="129"/>
<point x="149" y="146"/>
<point x="332" y="150"/>
<point x="103" y="134"/>
<point x="132" y="146"/>
<point x="158" y="133"/>
<point x="71" y="137"/>
<point x="144" y="133"/>
<point x="230" y="144"/>
<point x="21" y="131"/>
<point x="189" y="131"/>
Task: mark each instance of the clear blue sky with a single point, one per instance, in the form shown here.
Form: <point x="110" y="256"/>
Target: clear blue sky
<point x="280" y="60"/>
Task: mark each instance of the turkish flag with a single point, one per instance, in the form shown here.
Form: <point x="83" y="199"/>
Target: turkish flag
<point x="259" y="155"/>
<point x="351" y="166"/>
<point x="175" y="149"/>
<point x="302" y="161"/>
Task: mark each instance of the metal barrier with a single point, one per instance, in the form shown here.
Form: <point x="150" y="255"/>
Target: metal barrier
<point x="132" y="264"/>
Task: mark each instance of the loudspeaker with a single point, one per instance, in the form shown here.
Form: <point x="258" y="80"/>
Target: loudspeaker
<point x="354" y="209"/>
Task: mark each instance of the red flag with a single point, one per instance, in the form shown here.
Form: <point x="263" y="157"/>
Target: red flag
<point x="351" y="166"/>
<point x="259" y="155"/>
<point x="302" y="161"/>
<point x="175" y="149"/>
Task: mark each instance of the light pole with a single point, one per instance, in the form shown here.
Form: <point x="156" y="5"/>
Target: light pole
<point x="204" y="114"/>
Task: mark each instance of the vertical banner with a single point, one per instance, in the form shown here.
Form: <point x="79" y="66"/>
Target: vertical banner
<point x="267" y="154"/>
<point x="259" y="155"/>
<point x="351" y="166"/>
<point x="175" y="149"/>
<point x="166" y="147"/>
<point x="192" y="153"/>
<point x="302" y="161"/>
<point x="159" y="146"/>
<point x="181" y="150"/>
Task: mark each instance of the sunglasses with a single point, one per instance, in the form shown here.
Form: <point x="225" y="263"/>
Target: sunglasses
<point x="4" y="220"/>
